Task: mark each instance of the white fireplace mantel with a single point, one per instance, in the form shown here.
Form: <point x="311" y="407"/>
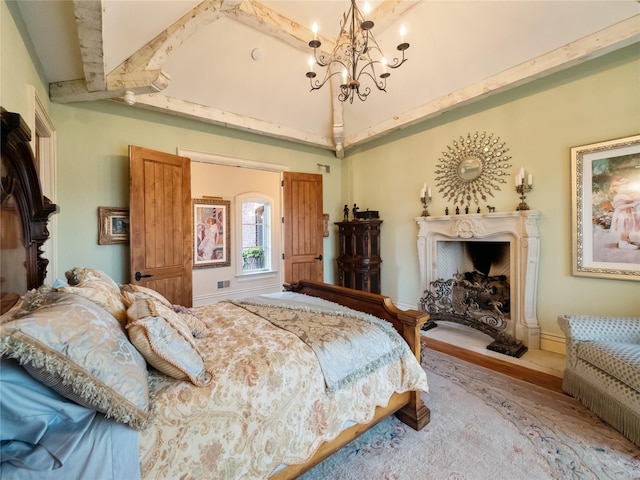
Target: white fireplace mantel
<point x="520" y="229"/>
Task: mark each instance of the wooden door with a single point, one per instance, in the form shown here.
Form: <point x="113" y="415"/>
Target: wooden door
<point x="303" y="232"/>
<point x="161" y="224"/>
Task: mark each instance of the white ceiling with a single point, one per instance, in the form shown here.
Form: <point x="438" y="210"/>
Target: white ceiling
<point x="194" y="59"/>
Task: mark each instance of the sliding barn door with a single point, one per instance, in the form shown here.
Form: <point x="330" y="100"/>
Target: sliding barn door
<point x="161" y="223"/>
<point x="303" y="231"/>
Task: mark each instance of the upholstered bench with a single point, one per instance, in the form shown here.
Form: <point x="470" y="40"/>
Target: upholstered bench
<point x="603" y="368"/>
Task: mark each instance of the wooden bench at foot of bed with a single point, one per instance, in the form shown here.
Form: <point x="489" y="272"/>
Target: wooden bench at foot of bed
<point x="407" y="406"/>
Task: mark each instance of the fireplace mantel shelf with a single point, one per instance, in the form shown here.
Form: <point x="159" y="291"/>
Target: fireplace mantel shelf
<point x="519" y="229"/>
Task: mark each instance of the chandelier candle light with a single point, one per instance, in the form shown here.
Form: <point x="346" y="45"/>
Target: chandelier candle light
<point x="355" y="55"/>
<point x="522" y="188"/>
<point x="425" y="198"/>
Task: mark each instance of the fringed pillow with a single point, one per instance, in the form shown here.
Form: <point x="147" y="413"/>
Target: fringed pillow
<point x="81" y="351"/>
<point x="131" y="293"/>
<point x="98" y="287"/>
<point x="166" y="341"/>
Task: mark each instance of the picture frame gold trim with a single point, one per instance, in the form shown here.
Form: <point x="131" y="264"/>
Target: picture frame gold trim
<point x="211" y="241"/>
<point x="113" y="225"/>
<point x="603" y="196"/>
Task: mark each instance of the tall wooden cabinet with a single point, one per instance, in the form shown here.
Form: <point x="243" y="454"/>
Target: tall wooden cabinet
<point x="359" y="254"/>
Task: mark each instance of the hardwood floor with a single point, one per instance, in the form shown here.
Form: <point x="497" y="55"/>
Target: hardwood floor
<point x="526" y="374"/>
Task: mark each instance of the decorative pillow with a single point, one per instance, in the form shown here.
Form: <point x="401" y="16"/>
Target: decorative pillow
<point x="34" y="299"/>
<point x="79" y="350"/>
<point x="131" y="293"/>
<point x="98" y="287"/>
<point x="197" y="326"/>
<point x="165" y="341"/>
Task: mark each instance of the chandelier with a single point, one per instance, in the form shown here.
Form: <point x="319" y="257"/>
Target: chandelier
<point x="355" y="56"/>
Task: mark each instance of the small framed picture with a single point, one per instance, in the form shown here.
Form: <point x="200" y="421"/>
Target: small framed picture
<point x="113" y="225"/>
<point x="606" y="209"/>
<point x="211" y="233"/>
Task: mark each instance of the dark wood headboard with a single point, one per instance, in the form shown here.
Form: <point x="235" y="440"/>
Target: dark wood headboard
<point x="24" y="213"/>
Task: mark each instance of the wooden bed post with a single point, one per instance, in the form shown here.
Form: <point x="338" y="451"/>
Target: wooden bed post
<point x="415" y="414"/>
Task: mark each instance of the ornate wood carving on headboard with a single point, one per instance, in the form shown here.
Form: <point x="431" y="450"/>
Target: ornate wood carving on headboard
<point x="24" y="212"/>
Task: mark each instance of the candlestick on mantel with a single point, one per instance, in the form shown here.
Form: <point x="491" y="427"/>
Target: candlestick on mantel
<point x="522" y="189"/>
<point x="425" y="201"/>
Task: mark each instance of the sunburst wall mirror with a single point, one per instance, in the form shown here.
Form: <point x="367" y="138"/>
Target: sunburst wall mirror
<point x="472" y="169"/>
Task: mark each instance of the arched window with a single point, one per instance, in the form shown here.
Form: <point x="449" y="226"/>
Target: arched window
<point x="255" y="225"/>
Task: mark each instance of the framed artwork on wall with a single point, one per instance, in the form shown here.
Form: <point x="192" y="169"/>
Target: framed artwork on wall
<point x="113" y="225"/>
<point x="211" y="233"/>
<point x="606" y="209"/>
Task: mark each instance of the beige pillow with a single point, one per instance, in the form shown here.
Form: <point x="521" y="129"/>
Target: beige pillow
<point x="81" y="351"/>
<point x="131" y="293"/>
<point x="98" y="287"/>
<point x="166" y="341"/>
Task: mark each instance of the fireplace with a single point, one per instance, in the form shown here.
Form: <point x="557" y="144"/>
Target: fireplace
<point x="482" y="271"/>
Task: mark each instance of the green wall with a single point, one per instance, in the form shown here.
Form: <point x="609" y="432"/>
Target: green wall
<point x="93" y="142"/>
<point x="19" y="76"/>
<point x="539" y="122"/>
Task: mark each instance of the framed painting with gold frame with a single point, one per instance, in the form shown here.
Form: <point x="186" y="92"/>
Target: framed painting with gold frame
<point x="113" y="225"/>
<point x="605" y="191"/>
<point x="211" y="233"/>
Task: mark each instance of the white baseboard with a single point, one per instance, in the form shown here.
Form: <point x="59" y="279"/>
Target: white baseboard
<point x="552" y="342"/>
<point x="228" y="294"/>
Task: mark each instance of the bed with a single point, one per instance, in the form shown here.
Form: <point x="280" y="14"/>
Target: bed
<point x="109" y="381"/>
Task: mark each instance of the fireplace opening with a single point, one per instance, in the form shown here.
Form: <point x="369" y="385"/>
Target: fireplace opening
<point x="472" y="287"/>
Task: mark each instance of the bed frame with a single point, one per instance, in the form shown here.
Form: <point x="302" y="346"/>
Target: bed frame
<point x="24" y="212"/>
<point x="408" y="406"/>
<point x="20" y="180"/>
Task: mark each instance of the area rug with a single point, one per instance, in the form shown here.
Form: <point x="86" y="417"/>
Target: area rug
<point x="485" y="425"/>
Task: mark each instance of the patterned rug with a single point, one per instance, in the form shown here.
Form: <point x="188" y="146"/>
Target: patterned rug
<point x="485" y="425"/>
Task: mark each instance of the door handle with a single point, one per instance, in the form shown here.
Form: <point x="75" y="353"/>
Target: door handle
<point x="138" y="276"/>
<point x="319" y="257"/>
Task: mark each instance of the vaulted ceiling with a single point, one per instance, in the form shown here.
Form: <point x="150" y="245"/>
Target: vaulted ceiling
<point x="242" y="63"/>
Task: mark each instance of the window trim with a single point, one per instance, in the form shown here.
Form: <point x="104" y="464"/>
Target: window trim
<point x="271" y="249"/>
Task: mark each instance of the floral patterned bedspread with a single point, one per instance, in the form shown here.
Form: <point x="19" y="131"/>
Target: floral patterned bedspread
<point x="267" y="405"/>
<point x="348" y="344"/>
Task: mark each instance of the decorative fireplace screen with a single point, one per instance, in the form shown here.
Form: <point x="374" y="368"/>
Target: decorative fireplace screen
<point x="478" y="301"/>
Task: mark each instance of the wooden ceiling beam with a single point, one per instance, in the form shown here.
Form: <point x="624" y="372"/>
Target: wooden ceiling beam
<point x="390" y="11"/>
<point x="141" y="72"/>
<point x="259" y="17"/>
<point x="185" y="109"/>
<point x="88" y="14"/>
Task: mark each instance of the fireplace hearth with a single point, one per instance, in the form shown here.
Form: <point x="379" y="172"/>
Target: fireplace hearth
<point x="481" y="271"/>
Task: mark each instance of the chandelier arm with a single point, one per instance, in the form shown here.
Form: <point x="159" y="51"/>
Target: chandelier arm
<point x="317" y="84"/>
<point x="397" y="62"/>
<point x="380" y="86"/>
<point x="363" y="96"/>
